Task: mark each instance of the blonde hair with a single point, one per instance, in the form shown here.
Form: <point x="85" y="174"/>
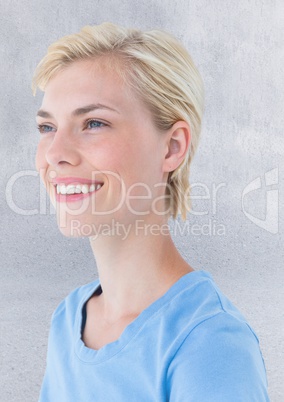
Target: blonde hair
<point x="161" y="71"/>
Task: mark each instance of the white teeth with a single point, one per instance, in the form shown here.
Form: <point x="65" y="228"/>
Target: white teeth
<point x="70" y="189"/>
<point x="85" y="189"/>
<point x="63" y="189"/>
<point x="77" y="188"/>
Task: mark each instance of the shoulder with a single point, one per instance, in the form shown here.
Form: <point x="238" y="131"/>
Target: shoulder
<point x="210" y="321"/>
<point x="218" y="356"/>
<point x="198" y="300"/>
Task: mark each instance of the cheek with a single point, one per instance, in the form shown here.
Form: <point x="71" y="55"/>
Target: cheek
<point x="104" y="156"/>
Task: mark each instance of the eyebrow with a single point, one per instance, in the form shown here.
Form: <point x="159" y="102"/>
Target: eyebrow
<point x="80" y="111"/>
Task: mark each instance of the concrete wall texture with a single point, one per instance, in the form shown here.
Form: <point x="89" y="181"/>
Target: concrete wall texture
<point x="238" y="47"/>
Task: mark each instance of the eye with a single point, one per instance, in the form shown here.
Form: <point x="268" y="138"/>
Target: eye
<point x="93" y="124"/>
<point x="44" y="128"/>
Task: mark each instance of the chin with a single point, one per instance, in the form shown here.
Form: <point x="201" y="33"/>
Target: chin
<point x="68" y="232"/>
<point x="73" y="226"/>
<point x="80" y="226"/>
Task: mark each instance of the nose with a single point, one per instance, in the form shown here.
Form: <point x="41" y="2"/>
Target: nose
<point x="62" y="151"/>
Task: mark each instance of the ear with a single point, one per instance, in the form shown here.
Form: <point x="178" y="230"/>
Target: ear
<point x="178" y="142"/>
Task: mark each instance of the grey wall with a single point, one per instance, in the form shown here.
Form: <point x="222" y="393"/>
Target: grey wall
<point x="238" y="47"/>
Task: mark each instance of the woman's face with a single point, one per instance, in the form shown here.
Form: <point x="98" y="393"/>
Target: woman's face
<point x="99" y="145"/>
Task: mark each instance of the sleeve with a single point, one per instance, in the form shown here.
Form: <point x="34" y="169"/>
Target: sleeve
<point x="219" y="361"/>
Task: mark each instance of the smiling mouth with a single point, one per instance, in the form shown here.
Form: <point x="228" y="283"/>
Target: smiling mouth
<point x="71" y="189"/>
<point x="75" y="192"/>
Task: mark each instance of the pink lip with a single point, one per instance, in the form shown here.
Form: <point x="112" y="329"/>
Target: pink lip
<point x="73" y="197"/>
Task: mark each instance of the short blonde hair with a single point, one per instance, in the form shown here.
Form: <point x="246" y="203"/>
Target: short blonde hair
<point x="161" y="71"/>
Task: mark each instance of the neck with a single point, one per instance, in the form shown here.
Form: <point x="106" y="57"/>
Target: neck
<point x="136" y="269"/>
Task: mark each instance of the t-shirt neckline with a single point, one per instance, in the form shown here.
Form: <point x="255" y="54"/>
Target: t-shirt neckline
<point x="92" y="356"/>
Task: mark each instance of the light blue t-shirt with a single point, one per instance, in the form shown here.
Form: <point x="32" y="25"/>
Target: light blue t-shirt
<point x="190" y="345"/>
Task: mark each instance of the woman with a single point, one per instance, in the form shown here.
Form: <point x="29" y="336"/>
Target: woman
<point x="119" y="124"/>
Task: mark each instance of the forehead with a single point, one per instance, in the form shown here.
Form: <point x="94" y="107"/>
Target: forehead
<point x="88" y="81"/>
